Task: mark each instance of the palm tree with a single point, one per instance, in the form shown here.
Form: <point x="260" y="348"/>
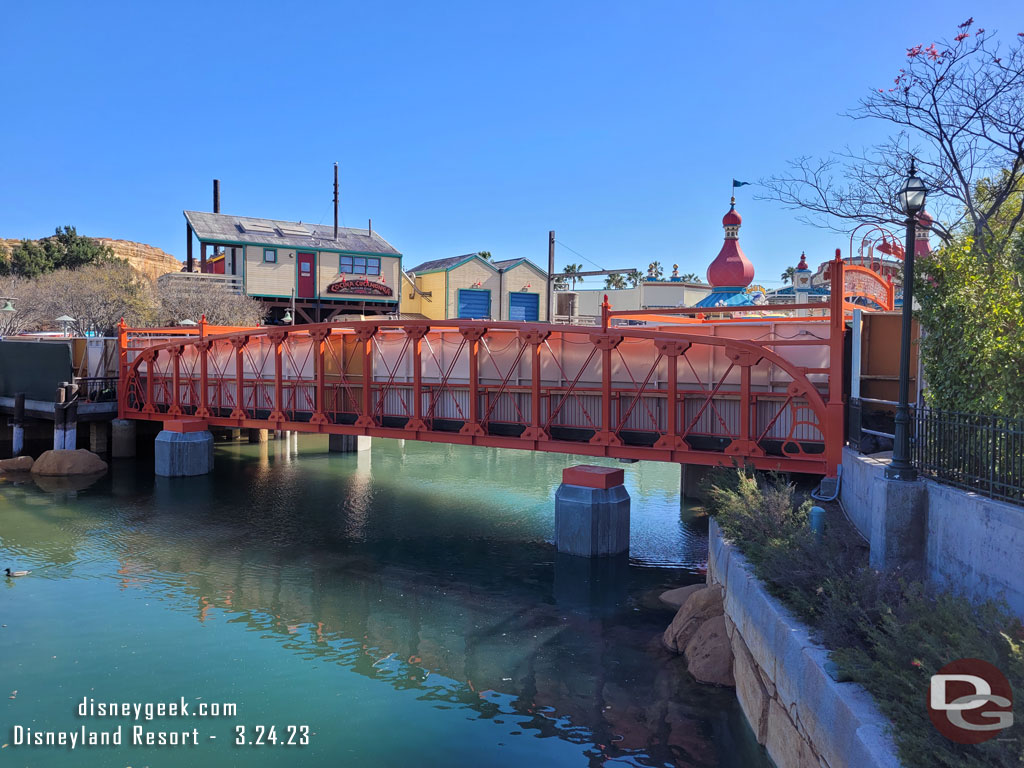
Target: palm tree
<point x="485" y="255"/>
<point x="615" y="281"/>
<point x="635" y="277"/>
<point x="654" y="270"/>
<point x="571" y="271"/>
<point x="690" y="277"/>
<point x="788" y="275"/>
<point x="560" y="283"/>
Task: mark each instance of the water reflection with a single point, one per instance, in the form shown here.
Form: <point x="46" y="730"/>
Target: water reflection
<point x="427" y="569"/>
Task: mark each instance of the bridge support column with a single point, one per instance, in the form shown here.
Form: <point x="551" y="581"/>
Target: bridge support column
<point x="592" y="512"/>
<point x="184" y="449"/>
<point x="259" y="435"/>
<point x="18" y="425"/>
<point x="691" y="481"/>
<point x="99" y="437"/>
<point x="348" y="443"/>
<point x="122" y="439"/>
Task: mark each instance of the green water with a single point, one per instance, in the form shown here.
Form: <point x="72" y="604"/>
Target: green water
<point x="405" y="603"/>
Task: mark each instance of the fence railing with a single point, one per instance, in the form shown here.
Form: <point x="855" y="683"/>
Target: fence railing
<point x="97" y="389"/>
<point x="183" y="281"/>
<point x="984" y="454"/>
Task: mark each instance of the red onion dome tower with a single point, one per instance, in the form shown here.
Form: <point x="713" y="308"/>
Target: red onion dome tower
<point x="731" y="268"/>
<point x="731" y="272"/>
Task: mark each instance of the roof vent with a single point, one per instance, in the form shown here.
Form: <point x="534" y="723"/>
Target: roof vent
<point x="256" y="226"/>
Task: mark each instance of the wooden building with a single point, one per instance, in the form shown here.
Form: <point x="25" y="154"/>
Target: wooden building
<point x="286" y="264"/>
<point x="470" y="286"/>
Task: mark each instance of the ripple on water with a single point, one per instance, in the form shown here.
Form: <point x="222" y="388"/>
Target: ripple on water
<point x="405" y="602"/>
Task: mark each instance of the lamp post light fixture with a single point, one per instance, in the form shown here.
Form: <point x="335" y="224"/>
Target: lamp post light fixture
<point x="66" y="321"/>
<point x="911" y="198"/>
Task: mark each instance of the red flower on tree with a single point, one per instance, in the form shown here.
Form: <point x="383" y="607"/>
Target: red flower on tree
<point x="961" y="36"/>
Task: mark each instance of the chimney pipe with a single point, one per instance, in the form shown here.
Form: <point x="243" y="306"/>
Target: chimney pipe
<point x="216" y="195"/>
<point x="335" y="201"/>
<point x="369" y="227"/>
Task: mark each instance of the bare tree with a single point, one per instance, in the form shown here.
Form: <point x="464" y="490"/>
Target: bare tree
<point x="24" y="297"/>
<point x="190" y="298"/>
<point x="97" y="296"/>
<point x="958" y="108"/>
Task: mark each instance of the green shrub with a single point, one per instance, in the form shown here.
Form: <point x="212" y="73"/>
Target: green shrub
<point x="886" y="630"/>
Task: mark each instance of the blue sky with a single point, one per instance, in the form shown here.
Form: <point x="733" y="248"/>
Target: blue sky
<point x="458" y="126"/>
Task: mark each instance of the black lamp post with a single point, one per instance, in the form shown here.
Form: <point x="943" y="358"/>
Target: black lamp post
<point x="911" y="196"/>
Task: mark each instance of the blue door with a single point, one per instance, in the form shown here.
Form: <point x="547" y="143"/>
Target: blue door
<point x="474" y="304"/>
<point x="524" y="307"/>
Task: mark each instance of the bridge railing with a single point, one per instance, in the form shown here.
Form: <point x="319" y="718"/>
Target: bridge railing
<point x="762" y="392"/>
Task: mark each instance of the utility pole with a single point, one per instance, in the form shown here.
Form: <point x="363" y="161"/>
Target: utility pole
<point x="551" y="276"/>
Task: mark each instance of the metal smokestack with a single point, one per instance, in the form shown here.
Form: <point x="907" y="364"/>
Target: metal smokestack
<point x="335" y="201"/>
<point x="216" y="195"/>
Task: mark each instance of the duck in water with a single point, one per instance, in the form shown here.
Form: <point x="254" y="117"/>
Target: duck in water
<point x="11" y="574"/>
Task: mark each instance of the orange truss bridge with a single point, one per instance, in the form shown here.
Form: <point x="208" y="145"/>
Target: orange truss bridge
<point x="765" y="391"/>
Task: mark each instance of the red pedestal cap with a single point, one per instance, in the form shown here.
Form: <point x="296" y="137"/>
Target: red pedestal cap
<point x="185" y="425"/>
<point x="589" y="476"/>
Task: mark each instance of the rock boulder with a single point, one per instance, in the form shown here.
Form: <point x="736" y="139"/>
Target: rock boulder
<point x="62" y="463"/>
<point x="701" y="605"/>
<point x="709" y="654"/>
<point x="675" y="598"/>
<point x="17" y="464"/>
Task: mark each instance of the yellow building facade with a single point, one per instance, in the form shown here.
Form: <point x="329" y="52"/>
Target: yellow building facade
<point x="469" y="286"/>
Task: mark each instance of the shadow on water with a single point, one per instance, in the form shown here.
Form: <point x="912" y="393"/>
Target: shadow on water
<point x="424" y="568"/>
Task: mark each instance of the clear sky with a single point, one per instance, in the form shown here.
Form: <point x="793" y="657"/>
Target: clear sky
<point x="458" y="126"/>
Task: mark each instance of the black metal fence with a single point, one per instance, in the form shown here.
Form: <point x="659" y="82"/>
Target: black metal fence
<point x="984" y="454"/>
<point x="97" y="389"/>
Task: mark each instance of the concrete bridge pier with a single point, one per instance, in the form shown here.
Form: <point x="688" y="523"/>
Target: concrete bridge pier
<point x="184" y="449"/>
<point x="691" y="481"/>
<point x="259" y="435"/>
<point x="99" y="437"/>
<point x="592" y="512"/>
<point x="18" y="425"/>
<point x="348" y="443"/>
<point x="122" y="439"/>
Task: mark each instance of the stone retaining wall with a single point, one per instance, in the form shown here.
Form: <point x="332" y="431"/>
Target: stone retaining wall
<point x="963" y="540"/>
<point x="804" y="718"/>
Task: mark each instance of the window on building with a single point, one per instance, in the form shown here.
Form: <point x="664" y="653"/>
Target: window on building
<point x="270" y="255"/>
<point x="359" y="265"/>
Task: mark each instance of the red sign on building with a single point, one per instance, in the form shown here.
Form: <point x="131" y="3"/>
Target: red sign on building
<point x="360" y="287"/>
